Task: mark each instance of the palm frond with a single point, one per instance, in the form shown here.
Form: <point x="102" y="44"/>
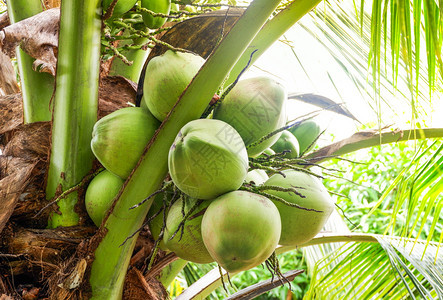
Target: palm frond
<point x="418" y="204"/>
<point x="425" y="257"/>
<point x="390" y="269"/>
<point x="389" y="40"/>
<point x="393" y="268"/>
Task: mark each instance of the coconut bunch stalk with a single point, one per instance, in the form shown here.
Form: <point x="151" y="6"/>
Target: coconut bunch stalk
<point x="113" y="252"/>
<point x="75" y="105"/>
<point x="36" y="88"/>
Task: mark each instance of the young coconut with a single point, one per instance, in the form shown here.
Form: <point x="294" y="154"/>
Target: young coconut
<point x="306" y="133"/>
<point x="257" y="176"/>
<point x="156" y="6"/>
<point x="299" y="225"/>
<point x="255" y="107"/>
<point x="207" y="159"/>
<point x="188" y="246"/>
<point x="120" y="7"/>
<point x="241" y="230"/>
<point x="119" y="139"/>
<point x="167" y="76"/>
<point x="268" y="152"/>
<point x="287" y="142"/>
<point x="100" y="194"/>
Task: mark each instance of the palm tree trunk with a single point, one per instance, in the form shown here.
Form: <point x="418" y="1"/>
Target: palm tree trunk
<point x="37" y="88"/>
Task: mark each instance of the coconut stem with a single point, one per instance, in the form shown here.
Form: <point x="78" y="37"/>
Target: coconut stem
<point x="270" y="170"/>
<point x="166" y="186"/>
<point x="149" y="36"/>
<point x="256" y="190"/>
<point x="281" y="189"/>
<point x="181" y="226"/>
<point x="222" y="279"/>
<point x="226" y="92"/>
<point x="274" y="268"/>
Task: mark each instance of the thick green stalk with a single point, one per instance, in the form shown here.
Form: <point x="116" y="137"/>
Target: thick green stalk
<point x="75" y="106"/>
<point x="138" y="58"/>
<point x="111" y="258"/>
<point x="36" y="88"/>
<point x="271" y="32"/>
<point x="366" y="139"/>
<point x="168" y="274"/>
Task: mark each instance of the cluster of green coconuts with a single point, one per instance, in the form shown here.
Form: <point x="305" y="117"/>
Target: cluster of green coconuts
<point x="208" y="162"/>
<point x="156" y="6"/>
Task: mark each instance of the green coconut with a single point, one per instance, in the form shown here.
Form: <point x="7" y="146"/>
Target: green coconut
<point x="257" y="176"/>
<point x="207" y="159"/>
<point x="100" y="194"/>
<point x="119" y="139"/>
<point x="241" y="230"/>
<point x="120" y="7"/>
<point x="156" y="224"/>
<point x="167" y="76"/>
<point x="255" y="107"/>
<point x="306" y="133"/>
<point x="287" y="142"/>
<point x="156" y="6"/>
<point x="298" y="225"/>
<point x="268" y="151"/>
<point x="188" y="246"/>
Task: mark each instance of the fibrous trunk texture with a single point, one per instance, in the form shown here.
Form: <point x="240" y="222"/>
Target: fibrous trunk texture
<point x="32" y="256"/>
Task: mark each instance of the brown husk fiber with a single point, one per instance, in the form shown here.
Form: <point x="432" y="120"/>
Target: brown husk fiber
<point x="33" y="259"/>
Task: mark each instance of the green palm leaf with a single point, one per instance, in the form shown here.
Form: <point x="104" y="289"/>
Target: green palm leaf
<point x="393" y="268"/>
<point x="383" y="47"/>
<point x="375" y="271"/>
<point x="418" y="197"/>
<point x="423" y="256"/>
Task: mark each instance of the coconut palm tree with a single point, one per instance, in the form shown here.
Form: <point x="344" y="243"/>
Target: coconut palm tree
<point x="98" y="267"/>
<point x="336" y="269"/>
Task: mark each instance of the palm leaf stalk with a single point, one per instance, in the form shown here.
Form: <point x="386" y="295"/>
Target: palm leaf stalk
<point x="37" y="88"/>
<point x="271" y="32"/>
<point x="75" y="104"/>
<point x="113" y="253"/>
<point x="366" y="139"/>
